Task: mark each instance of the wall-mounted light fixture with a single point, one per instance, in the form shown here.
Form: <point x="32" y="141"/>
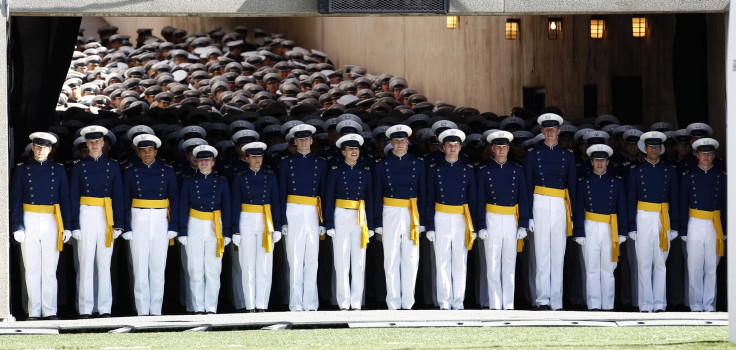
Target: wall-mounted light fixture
<point x="639" y="26"/>
<point x="451" y="22"/>
<point x="512" y="28"/>
<point x="554" y="28"/>
<point x="597" y="26"/>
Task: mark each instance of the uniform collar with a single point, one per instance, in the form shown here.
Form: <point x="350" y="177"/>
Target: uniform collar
<point x="153" y="164"/>
<point x="201" y="175"/>
<point x="394" y="156"/>
<point x="500" y="165"/>
<point x="45" y="162"/>
<point x="102" y="156"/>
<point x="652" y="164"/>
<point x="705" y="171"/>
<point x="605" y="174"/>
<point x="345" y="164"/>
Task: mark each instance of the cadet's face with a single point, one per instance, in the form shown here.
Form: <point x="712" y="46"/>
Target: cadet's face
<point x="255" y="162"/>
<point x="95" y="146"/>
<point x="452" y="148"/>
<point x="351" y="154"/>
<point x="683" y="149"/>
<point x="599" y="165"/>
<point x="192" y="160"/>
<point x="41" y="153"/>
<point x="147" y="154"/>
<point x="500" y="152"/>
<point x="400" y="145"/>
<point x="653" y="152"/>
<point x="303" y="145"/>
<point x="205" y="165"/>
<point x="705" y="160"/>
<point x="632" y="149"/>
<point x="550" y="134"/>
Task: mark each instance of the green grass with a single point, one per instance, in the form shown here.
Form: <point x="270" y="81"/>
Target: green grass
<point x="394" y="338"/>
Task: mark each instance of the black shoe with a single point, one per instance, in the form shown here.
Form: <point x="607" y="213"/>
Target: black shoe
<point x="260" y="310"/>
<point x="343" y="309"/>
<point x="560" y="309"/>
<point x="105" y="315"/>
<point x="31" y="318"/>
<point x="658" y="310"/>
<point x="210" y="313"/>
<point x="51" y="318"/>
<point x="84" y="317"/>
<point x="199" y="313"/>
<point x="543" y="308"/>
<point x="250" y="311"/>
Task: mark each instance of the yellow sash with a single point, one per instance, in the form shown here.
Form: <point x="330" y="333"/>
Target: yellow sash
<point x="612" y="221"/>
<point x="267" y="222"/>
<point x="714" y="216"/>
<point x="315" y="201"/>
<point x="565" y="195"/>
<point x="506" y="210"/>
<point x="50" y="209"/>
<point x="664" y="218"/>
<point x="460" y="209"/>
<point x="102" y="202"/>
<point x="154" y="204"/>
<point x="410" y="203"/>
<point x="212" y="216"/>
<point x="360" y="206"/>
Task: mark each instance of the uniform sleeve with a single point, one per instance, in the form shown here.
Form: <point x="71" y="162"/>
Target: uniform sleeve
<point x="674" y="200"/>
<point x="429" y="198"/>
<point x="684" y="206"/>
<point x="480" y="200"/>
<point x="529" y="175"/>
<point x="472" y="198"/>
<point x="631" y="197"/>
<point x="235" y="203"/>
<point x="422" y="203"/>
<point x="16" y="201"/>
<point x="578" y="210"/>
<point x="275" y="203"/>
<point x="64" y="205"/>
<point x="369" y="214"/>
<point x="172" y="192"/>
<point x="525" y="204"/>
<point x="184" y="208"/>
<point x="127" y="200"/>
<point x="378" y="194"/>
<point x="283" y="169"/>
<point x="571" y="180"/>
<point x="226" y="206"/>
<point x="74" y="194"/>
<point x="621" y="209"/>
<point x="322" y="186"/>
<point x="329" y="202"/>
<point x="117" y="196"/>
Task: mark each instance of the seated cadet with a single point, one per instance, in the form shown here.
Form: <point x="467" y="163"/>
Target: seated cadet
<point x="39" y="214"/>
<point x="502" y="217"/>
<point x="349" y="221"/>
<point x="151" y="197"/>
<point x="703" y="208"/>
<point x="257" y="228"/>
<point x="205" y="201"/>
<point x="451" y="187"/>
<point x="600" y="226"/>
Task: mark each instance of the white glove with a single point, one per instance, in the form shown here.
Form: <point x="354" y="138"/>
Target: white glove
<point x="116" y="232"/>
<point x="521" y="233"/>
<point x="284" y="230"/>
<point x="228" y="240"/>
<point x="128" y="235"/>
<point x="430" y="236"/>
<point x="531" y="225"/>
<point x="66" y="236"/>
<point x="671" y="235"/>
<point x="321" y="230"/>
<point x="684" y="238"/>
<point x="621" y="239"/>
<point x="483" y="234"/>
<point x="20" y="236"/>
<point x="275" y="236"/>
<point x="236" y="239"/>
<point x="183" y="240"/>
<point x="171" y="234"/>
<point x="632" y="235"/>
<point x="371" y="233"/>
<point x="331" y="232"/>
<point x="77" y="234"/>
<point x="379" y="230"/>
<point x="421" y="229"/>
<point x="580" y="240"/>
<point x="475" y="235"/>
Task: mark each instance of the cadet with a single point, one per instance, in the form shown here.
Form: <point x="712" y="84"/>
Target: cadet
<point x="96" y="189"/>
<point x="600" y="226"/>
<point x="39" y="220"/>
<point x="301" y="180"/>
<point x="451" y="187"/>
<point x="151" y="219"/>
<point x="257" y="228"/>
<point x="550" y="172"/>
<point x="653" y="220"/>
<point x="398" y="190"/>
<point x="703" y="208"/>
<point x="349" y="221"/>
<point x="204" y="205"/>
<point x="502" y="217"/>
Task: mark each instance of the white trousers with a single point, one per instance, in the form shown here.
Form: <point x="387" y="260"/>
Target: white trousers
<point x="400" y="258"/>
<point x="203" y="265"/>
<point x="302" y="251"/>
<point x="256" y="264"/>
<point x="94" y="262"/>
<point x="550" y="239"/>
<point x="650" y="262"/>
<point x="349" y="259"/>
<point x="451" y="259"/>
<point x="702" y="261"/>
<point x="148" y="249"/>
<point x="600" y="285"/>
<point x="500" y="252"/>
<point x="40" y="260"/>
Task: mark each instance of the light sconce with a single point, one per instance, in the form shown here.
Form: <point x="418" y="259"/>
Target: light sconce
<point x="554" y="28"/>
<point x="451" y="22"/>
<point x="639" y="26"/>
<point x="512" y="29"/>
<point x="597" y="26"/>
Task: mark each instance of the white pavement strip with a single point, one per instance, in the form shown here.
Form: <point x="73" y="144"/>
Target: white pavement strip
<point x="368" y="319"/>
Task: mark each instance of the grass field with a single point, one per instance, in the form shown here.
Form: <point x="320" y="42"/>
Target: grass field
<point x="393" y="338"/>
